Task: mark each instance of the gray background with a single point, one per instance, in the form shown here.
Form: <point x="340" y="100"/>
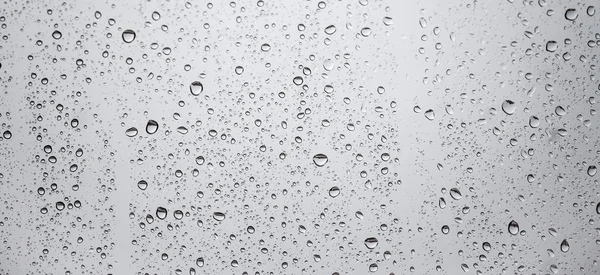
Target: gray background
<point x="483" y="58"/>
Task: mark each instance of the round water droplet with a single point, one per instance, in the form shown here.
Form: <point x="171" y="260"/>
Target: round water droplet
<point x="330" y="29"/>
<point x="571" y="14"/>
<point x="128" y="36"/>
<point x="200" y="262"/>
<point x="551" y="46"/>
<point x="365" y="32"/>
<point x="560" y="111"/>
<point x="455" y="194"/>
<point x="239" y="70"/>
<point x="509" y="107"/>
<point x="219" y="216"/>
<point x="56" y="35"/>
<point x="591" y="10"/>
<point x="7" y="134"/>
<point x="513" y="227"/>
<point x="131" y="132"/>
<point x="373" y="267"/>
<point x="265" y="47"/>
<point x="196" y="88"/>
<point x="142" y="184"/>
<point x="371" y="242"/>
<point x="60" y="206"/>
<point x="151" y="127"/>
<point x="534" y="122"/>
<point x="445" y="229"/>
<point x="250" y="229"/>
<point x="334" y="191"/>
<point x="320" y="160"/>
<point x="328" y="64"/>
<point x="161" y="213"/>
<point x="592" y="170"/>
<point x="564" y="246"/>
<point x="486" y="246"/>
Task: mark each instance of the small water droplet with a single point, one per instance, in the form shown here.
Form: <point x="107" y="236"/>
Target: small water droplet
<point x="388" y="21"/>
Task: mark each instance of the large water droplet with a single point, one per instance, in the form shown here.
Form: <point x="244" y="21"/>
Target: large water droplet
<point x="7" y="134"/>
<point x="151" y="127"/>
<point x="513" y="227"/>
<point x="571" y="14"/>
<point x="388" y="21"/>
<point x="330" y="29"/>
<point x="219" y="216"/>
<point x="592" y="170"/>
<point x="196" y="88"/>
<point x="161" y="213"/>
<point x="429" y="114"/>
<point x="486" y="246"/>
<point x="551" y="46"/>
<point x="334" y="191"/>
<point x="56" y="35"/>
<point x="142" y="184"/>
<point x="509" y="107"/>
<point x="128" y="36"/>
<point x="131" y="132"/>
<point x="455" y="194"/>
<point x="320" y="160"/>
<point x="371" y="242"/>
<point x="564" y="246"/>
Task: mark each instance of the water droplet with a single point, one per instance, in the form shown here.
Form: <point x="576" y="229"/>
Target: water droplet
<point x="239" y="70"/>
<point x="571" y="14"/>
<point x="429" y="114"/>
<point x="592" y="170"/>
<point x="442" y="203"/>
<point x="560" y="111"/>
<point x="219" y="216"/>
<point x="371" y="242"/>
<point x="60" y="206"/>
<point x="200" y="160"/>
<point x="250" y="229"/>
<point x="142" y="184"/>
<point x="373" y="267"/>
<point x="265" y="47"/>
<point x="455" y="194"/>
<point x="330" y="30"/>
<point x="534" y="121"/>
<point x="486" y="246"/>
<point x="151" y="127"/>
<point x="7" y="134"/>
<point x="328" y="64"/>
<point x="131" y="132"/>
<point x="551" y="46"/>
<point x="196" y="88"/>
<point x="155" y="16"/>
<point x="161" y="213"/>
<point x="388" y="21"/>
<point x="509" y="107"/>
<point x="334" y="191"/>
<point x="591" y="10"/>
<point x="128" y="36"/>
<point x="564" y="246"/>
<point x="56" y="35"/>
<point x="320" y="160"/>
<point x="513" y="227"/>
<point x="445" y="229"/>
<point x="200" y="262"/>
<point x="182" y="130"/>
<point x="598" y="208"/>
<point x="365" y="32"/>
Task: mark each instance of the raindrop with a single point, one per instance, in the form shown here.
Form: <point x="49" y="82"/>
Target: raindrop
<point x="334" y="191"/>
<point x="219" y="216"/>
<point x="534" y="121"/>
<point x="151" y="127"/>
<point x="320" y="160"/>
<point x="200" y="160"/>
<point x="388" y="21"/>
<point x="330" y="30"/>
<point x="131" y="132"/>
<point x="592" y="170"/>
<point x="591" y="10"/>
<point x="571" y="14"/>
<point x="371" y="242"/>
<point x="564" y="246"/>
<point x="551" y="46"/>
<point x="60" y="206"/>
<point x="513" y="227"/>
<point x="509" y="107"/>
<point x="56" y="35"/>
<point x="455" y="194"/>
<point x="161" y="213"/>
<point x="265" y="47"/>
<point x="429" y="114"/>
<point x="128" y="36"/>
<point x="373" y="267"/>
<point x="200" y="262"/>
<point x="486" y="246"/>
<point x="445" y="229"/>
<point x="142" y="184"/>
<point x="7" y="134"/>
<point x="239" y="70"/>
<point x="196" y="88"/>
